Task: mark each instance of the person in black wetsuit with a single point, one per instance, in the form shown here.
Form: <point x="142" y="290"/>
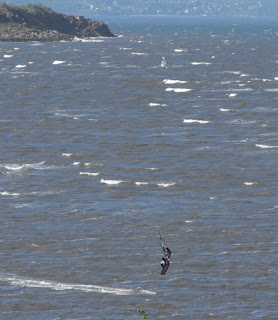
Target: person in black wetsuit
<point x="165" y="260"/>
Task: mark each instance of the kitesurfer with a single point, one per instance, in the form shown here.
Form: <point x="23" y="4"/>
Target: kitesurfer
<point x="165" y="262"/>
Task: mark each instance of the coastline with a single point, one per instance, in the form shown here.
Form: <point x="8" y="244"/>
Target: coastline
<point x="39" y="23"/>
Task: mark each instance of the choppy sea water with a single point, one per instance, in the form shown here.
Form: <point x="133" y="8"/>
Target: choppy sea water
<point x="100" y="145"/>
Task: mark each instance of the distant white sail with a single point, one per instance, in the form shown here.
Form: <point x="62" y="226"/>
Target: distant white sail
<point x="163" y="63"/>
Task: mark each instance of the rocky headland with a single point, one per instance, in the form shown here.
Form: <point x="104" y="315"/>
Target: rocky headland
<point x="39" y="23"/>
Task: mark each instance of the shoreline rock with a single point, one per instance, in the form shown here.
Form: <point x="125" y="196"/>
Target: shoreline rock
<point x="39" y="23"/>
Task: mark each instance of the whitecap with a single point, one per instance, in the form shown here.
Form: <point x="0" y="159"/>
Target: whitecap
<point x="21" y="205"/>
<point x="272" y="90"/>
<point x="111" y="182"/>
<point x="139" y="53"/>
<point x="58" y="62"/>
<point x="233" y="72"/>
<point x="19" y="167"/>
<point x="224" y="110"/>
<point x="165" y="185"/>
<point x="8" y="56"/>
<point x="263" y="146"/>
<point x="276" y="207"/>
<point x="232" y="95"/>
<point x="250" y="183"/>
<point x="20" y="66"/>
<point x="195" y="121"/>
<point x="243" y="90"/>
<point x="141" y="183"/>
<point x="6" y="193"/>
<point x="67" y="155"/>
<point x="157" y="104"/>
<point x="169" y="81"/>
<point x="91" y="40"/>
<point x="180" y="50"/>
<point x="90" y="173"/>
<point x="200" y="63"/>
<point x="77" y="163"/>
<point x="60" y="286"/>
<point x="14" y="167"/>
<point x="178" y="90"/>
<point x="276" y="78"/>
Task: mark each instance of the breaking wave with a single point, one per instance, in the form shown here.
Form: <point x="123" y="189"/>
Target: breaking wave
<point x="53" y="285"/>
<point x="195" y="121"/>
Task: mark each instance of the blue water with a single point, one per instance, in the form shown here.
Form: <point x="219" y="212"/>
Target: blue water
<point x="100" y="146"/>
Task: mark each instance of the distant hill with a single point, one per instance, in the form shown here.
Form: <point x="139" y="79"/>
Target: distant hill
<point x="92" y="8"/>
<point x="39" y="23"/>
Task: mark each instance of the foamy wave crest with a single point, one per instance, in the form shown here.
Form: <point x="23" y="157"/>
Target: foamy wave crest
<point x="243" y="90"/>
<point x="89" y="173"/>
<point x="20" y="66"/>
<point x="195" y="121"/>
<point x="141" y="183"/>
<point x="139" y="53"/>
<point x="111" y="182"/>
<point x="165" y="185"/>
<point x="169" y="81"/>
<point x="153" y="104"/>
<point x="200" y="63"/>
<point x="31" y="283"/>
<point x="232" y="95"/>
<point x="250" y="183"/>
<point x="6" y="193"/>
<point x="8" y="56"/>
<point x="264" y="146"/>
<point x="67" y="155"/>
<point x="21" y="167"/>
<point x="224" y="110"/>
<point x="180" y="50"/>
<point x="76" y="39"/>
<point x="272" y="90"/>
<point x="178" y="89"/>
<point x="58" y="62"/>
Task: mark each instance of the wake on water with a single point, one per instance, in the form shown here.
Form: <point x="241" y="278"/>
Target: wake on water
<point x="33" y="283"/>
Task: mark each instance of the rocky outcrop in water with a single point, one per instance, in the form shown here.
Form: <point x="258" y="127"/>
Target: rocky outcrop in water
<point x="39" y="23"/>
